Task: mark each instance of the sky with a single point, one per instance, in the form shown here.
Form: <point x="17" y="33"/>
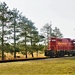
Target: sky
<point x="61" y="13"/>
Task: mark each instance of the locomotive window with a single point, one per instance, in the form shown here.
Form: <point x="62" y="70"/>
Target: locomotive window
<point x="73" y="42"/>
<point x="53" y="40"/>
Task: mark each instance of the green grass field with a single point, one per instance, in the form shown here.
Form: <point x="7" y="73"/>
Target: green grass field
<point x="55" y="66"/>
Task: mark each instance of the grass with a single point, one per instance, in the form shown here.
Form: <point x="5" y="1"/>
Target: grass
<point x="55" y="66"/>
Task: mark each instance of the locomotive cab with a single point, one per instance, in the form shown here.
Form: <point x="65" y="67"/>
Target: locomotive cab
<point x="51" y="47"/>
<point x="52" y="44"/>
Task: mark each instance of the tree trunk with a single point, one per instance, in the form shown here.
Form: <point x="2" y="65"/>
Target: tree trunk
<point x="37" y="53"/>
<point x="14" y="41"/>
<point x="32" y="54"/>
<point x="25" y="45"/>
<point x="2" y="41"/>
<point x="26" y="53"/>
<point x="31" y="49"/>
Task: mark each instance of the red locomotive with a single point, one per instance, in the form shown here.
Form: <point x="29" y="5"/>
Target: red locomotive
<point x="58" y="47"/>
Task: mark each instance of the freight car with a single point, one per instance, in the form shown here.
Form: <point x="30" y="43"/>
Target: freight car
<point x="59" y="47"/>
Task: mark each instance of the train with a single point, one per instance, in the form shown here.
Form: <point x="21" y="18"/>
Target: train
<point x="60" y="47"/>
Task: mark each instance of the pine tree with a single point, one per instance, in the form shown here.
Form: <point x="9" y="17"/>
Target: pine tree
<point x="3" y="22"/>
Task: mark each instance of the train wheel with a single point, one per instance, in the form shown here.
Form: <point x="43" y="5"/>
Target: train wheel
<point x="57" y="54"/>
<point x="52" y="54"/>
<point x="73" y="54"/>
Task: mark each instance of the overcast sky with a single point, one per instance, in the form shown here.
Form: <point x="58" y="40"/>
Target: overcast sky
<point x="61" y="13"/>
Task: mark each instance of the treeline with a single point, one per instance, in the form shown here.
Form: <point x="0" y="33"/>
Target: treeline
<point x="17" y="33"/>
<point x="47" y="32"/>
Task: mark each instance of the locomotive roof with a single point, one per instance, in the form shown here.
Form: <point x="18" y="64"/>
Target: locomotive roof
<point x="62" y="39"/>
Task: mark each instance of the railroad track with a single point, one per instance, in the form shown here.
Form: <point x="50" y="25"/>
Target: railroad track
<point x="28" y="59"/>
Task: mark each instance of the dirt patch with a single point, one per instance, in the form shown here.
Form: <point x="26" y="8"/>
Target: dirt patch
<point x="9" y="56"/>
